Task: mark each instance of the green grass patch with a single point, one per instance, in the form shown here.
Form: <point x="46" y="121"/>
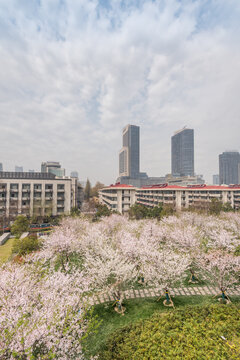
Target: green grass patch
<point x="6" y="250"/>
<point x="136" y="309"/>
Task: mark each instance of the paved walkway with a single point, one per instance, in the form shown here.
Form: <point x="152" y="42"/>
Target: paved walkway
<point x="148" y="293"/>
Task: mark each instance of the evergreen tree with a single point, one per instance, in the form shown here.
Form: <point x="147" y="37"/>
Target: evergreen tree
<point x="87" y="190"/>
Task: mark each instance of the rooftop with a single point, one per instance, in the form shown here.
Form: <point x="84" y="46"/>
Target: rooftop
<point x="26" y="175"/>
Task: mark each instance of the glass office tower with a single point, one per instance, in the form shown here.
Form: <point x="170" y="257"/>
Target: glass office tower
<point x="183" y="153"/>
<point x="129" y="156"/>
<point x="229" y="167"/>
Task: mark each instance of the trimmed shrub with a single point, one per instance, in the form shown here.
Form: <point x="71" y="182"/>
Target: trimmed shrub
<point x="190" y="333"/>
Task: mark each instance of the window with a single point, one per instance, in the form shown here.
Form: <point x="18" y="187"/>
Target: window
<point x="37" y="186"/>
<point x="48" y="187"/>
<point x="60" y="186"/>
<point x="25" y="186"/>
<point x="14" y="186"/>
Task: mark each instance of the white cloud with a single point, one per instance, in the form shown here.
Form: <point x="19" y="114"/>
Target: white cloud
<point x="72" y="74"/>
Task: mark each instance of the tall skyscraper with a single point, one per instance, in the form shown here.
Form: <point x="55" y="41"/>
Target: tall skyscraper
<point x="1" y="167"/>
<point x="129" y="156"/>
<point x="229" y="167"/>
<point x="183" y="153"/>
<point x="18" y="168"/>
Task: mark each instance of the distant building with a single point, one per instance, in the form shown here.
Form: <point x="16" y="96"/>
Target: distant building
<point x="74" y="174"/>
<point x="216" y="179"/>
<point x="18" y="168"/>
<point x="31" y="171"/>
<point x="129" y="156"/>
<point x="229" y="167"/>
<point x="52" y="167"/>
<point x="184" y="180"/>
<point x="1" y="167"/>
<point x="141" y="181"/>
<point x="182" y="146"/>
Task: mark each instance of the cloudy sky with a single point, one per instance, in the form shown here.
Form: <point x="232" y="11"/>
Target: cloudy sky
<point x="73" y="73"/>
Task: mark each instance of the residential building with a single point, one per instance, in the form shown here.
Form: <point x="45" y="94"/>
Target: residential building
<point x="18" y="168"/>
<point x="118" y="197"/>
<point x="182" y="146"/>
<point x="77" y="193"/>
<point x="52" y="167"/>
<point x="37" y="194"/>
<point x="216" y="179"/>
<point x="229" y="167"/>
<point x="178" y="197"/>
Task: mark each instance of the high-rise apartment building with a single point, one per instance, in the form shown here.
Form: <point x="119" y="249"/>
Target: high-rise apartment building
<point x="53" y="167"/>
<point x="183" y="153"/>
<point x="229" y="167"/>
<point x="129" y="156"/>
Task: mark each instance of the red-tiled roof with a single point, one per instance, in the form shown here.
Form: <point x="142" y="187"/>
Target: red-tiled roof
<point x="192" y="187"/>
<point x="121" y="185"/>
<point x="161" y="187"/>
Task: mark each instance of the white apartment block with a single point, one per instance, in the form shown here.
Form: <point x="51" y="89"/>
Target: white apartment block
<point x="179" y="197"/>
<point x="36" y="194"/>
<point x="118" y="197"/>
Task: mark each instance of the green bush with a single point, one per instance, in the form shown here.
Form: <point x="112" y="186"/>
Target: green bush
<point x="26" y="245"/>
<point x="237" y="251"/>
<point x="190" y="333"/>
<point x="20" y="225"/>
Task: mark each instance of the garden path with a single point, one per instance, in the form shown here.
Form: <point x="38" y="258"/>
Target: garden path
<point x="148" y="293"/>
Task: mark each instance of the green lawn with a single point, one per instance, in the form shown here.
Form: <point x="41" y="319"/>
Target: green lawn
<point x="6" y="250"/>
<point x="136" y="309"/>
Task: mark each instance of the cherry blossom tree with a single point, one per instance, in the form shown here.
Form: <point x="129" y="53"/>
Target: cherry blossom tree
<point x="164" y="267"/>
<point x="221" y="269"/>
<point x="42" y="315"/>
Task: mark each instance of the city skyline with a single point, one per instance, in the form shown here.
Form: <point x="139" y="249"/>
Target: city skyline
<point x="73" y="74"/>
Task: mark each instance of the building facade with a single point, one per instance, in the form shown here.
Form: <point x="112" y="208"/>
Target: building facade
<point x="229" y="167"/>
<point x="118" y="197"/>
<point x="36" y="194"/>
<point x="129" y="156"/>
<point x="178" y="197"/>
<point x="182" y="149"/>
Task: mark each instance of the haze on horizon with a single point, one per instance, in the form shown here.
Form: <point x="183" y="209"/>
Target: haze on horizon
<point x="74" y="73"/>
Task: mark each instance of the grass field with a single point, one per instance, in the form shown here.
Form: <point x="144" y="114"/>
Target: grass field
<point x="136" y="309"/>
<point x="6" y="250"/>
